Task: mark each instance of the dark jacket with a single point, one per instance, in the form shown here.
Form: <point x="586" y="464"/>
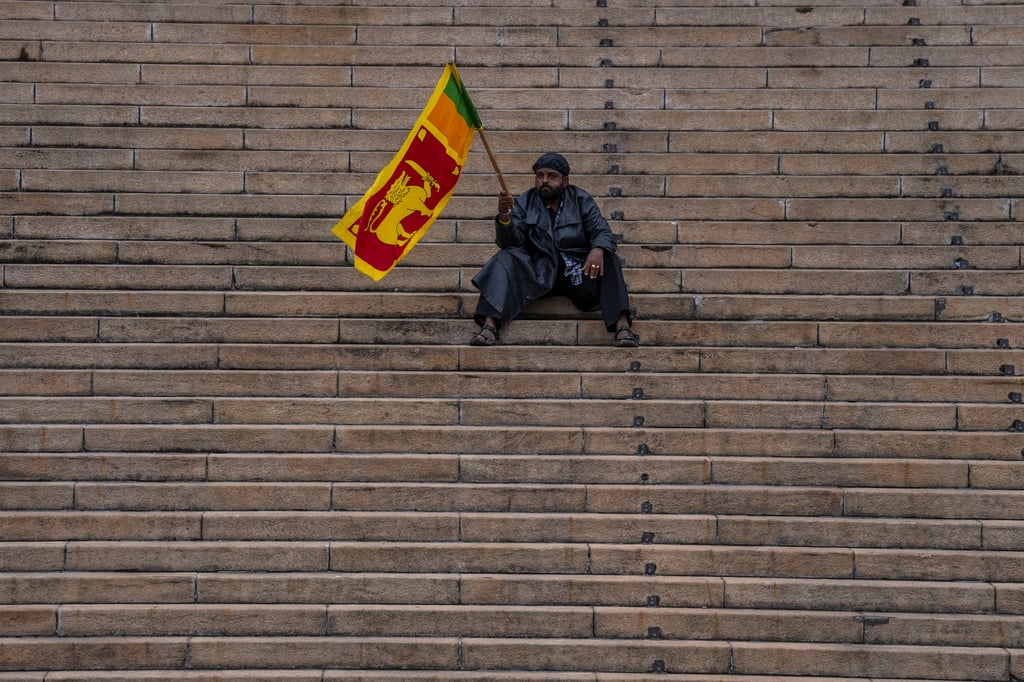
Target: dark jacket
<point x="528" y="262"/>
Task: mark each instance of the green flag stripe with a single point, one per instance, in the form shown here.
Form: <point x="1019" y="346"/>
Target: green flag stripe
<point x="463" y="104"/>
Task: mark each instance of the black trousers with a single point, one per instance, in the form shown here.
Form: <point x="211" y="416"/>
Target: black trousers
<point x="607" y="292"/>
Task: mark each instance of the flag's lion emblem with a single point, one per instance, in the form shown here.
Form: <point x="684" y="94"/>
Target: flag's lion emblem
<point x="401" y="201"/>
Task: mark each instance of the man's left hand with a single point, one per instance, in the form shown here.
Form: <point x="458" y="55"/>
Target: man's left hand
<point x="593" y="267"/>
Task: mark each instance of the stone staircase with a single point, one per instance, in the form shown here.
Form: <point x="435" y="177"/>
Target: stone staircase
<point x="228" y="456"/>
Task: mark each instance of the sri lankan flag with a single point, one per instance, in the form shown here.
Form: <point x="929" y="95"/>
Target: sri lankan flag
<point x="410" y="192"/>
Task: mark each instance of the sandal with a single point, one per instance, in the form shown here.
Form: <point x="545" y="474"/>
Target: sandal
<point x="626" y="337"/>
<point x="487" y="336"/>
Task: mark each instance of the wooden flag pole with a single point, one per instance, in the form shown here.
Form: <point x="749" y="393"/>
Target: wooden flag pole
<point x="494" y="162"/>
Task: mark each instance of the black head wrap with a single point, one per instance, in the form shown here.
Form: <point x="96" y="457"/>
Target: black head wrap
<point x="552" y="160"/>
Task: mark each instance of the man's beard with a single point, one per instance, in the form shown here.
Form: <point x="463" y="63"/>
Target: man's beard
<point x="550" y="193"/>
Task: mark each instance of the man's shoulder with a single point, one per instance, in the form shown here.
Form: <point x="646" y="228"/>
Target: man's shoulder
<point x="580" y="195"/>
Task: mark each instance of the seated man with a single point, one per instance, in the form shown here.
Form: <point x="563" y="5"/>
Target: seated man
<point x="554" y="242"/>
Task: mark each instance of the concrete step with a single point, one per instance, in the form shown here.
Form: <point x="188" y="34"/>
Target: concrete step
<point x="633" y="656"/>
<point x="652" y="306"/>
<point x="679" y="281"/>
<point x="614" y="623"/>
<point x="283" y="183"/>
<point x="312" y="439"/>
<point x="600" y="357"/>
<point x="470" y="412"/>
<point x="752" y="307"/>
<point x="796" y="562"/>
<point x="809" y="495"/>
<point x="498" y="526"/>
<point x="480" y="469"/>
<point x="387" y="675"/>
<point x="641" y="385"/>
<point x="877" y="334"/>
<point x="49" y="172"/>
<point x="906" y="257"/>
<point x="923" y="596"/>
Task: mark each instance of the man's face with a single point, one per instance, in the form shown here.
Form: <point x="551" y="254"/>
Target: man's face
<point x="550" y="183"/>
